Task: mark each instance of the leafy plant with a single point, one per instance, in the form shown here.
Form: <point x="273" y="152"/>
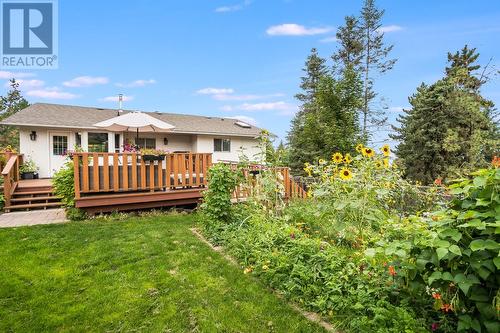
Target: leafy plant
<point x="63" y="182"/>
<point x="222" y="181"/>
<point x="28" y="166"/>
<point x="155" y="152"/>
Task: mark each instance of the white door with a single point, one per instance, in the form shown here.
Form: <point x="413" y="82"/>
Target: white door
<point x="59" y="145"/>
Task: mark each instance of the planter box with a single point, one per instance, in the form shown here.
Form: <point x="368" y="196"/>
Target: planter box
<point x="149" y="158"/>
<point x="28" y="175"/>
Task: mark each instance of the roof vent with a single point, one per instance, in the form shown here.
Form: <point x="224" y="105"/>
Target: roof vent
<point x="242" y="124"/>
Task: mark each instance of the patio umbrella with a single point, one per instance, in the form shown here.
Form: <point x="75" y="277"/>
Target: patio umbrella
<point x="135" y="121"/>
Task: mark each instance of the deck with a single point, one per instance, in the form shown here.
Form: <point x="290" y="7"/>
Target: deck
<point x="106" y="182"/>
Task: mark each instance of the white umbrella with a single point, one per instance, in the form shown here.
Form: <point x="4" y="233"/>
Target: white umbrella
<point x="135" y="121"/>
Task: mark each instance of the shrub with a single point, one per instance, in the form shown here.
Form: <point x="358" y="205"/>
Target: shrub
<point x="217" y="198"/>
<point x="64" y="187"/>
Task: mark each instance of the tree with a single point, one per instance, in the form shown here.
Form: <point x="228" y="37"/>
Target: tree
<point x="374" y="61"/>
<point x="9" y="105"/>
<point x="350" y="51"/>
<point x="449" y="127"/>
<point x="314" y="69"/>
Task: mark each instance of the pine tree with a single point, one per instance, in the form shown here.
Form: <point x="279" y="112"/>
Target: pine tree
<point x="374" y="61"/>
<point x="350" y="51"/>
<point x="449" y="128"/>
<point x="9" y="105"/>
<point x="314" y="69"/>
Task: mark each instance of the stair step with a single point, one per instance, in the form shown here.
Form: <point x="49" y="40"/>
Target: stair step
<point x="37" y="205"/>
<point x="50" y="197"/>
<point x="24" y="193"/>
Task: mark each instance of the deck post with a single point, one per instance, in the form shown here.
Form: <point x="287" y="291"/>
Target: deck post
<point x="76" y="173"/>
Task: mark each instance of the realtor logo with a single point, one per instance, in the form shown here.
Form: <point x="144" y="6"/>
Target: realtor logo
<point x="29" y="34"/>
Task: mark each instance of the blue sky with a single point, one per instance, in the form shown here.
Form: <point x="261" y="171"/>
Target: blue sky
<point x="243" y="58"/>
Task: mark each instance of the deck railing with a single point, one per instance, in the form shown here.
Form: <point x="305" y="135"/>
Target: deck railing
<point x="291" y="188"/>
<point x="127" y="172"/>
<point x="10" y="174"/>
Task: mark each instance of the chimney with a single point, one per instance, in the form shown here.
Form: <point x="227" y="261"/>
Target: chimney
<point x="120" y="103"/>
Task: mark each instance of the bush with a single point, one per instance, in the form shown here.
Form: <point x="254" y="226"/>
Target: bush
<point x="64" y="187"/>
<point x="457" y="261"/>
<point x="217" y="198"/>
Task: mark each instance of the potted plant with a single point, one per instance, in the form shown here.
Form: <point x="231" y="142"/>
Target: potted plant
<point x="153" y="154"/>
<point x="29" y="170"/>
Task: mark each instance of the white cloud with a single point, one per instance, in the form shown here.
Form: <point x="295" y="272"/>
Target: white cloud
<point x="284" y="107"/>
<point x="246" y="119"/>
<point x="5" y="75"/>
<point x="51" y="93"/>
<point x="331" y="39"/>
<point x="249" y="97"/>
<point x="398" y="108"/>
<point x="125" y="98"/>
<point x="26" y="84"/>
<point x="136" y="83"/>
<point x="292" y="29"/>
<point x="215" y="91"/>
<point x="233" y="8"/>
<point x="86" y="81"/>
<point x="389" y="28"/>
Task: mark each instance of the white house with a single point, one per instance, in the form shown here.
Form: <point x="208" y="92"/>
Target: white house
<point x="48" y="131"/>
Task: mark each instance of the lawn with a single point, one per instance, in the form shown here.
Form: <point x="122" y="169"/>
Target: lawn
<point x="147" y="274"/>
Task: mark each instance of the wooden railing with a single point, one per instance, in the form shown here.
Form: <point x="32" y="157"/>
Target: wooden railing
<point x="291" y="188"/>
<point x="127" y="172"/>
<point x="10" y="174"/>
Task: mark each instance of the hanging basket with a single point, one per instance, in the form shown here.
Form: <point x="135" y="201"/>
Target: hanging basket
<point x="149" y="158"/>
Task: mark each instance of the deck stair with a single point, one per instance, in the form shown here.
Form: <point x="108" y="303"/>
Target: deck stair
<point x="33" y="195"/>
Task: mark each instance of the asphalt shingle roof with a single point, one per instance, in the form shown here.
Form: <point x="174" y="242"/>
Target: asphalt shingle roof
<point x="68" y="116"/>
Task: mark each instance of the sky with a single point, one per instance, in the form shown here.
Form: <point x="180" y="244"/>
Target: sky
<point x="243" y="58"/>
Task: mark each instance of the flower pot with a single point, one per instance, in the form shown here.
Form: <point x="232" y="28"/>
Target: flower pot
<point x="149" y="158"/>
<point x="28" y="175"/>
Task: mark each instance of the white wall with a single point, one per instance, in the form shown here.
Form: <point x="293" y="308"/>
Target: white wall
<point x="239" y="145"/>
<point x="176" y="142"/>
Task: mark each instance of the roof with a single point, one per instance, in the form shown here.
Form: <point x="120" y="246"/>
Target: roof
<point x="72" y="116"/>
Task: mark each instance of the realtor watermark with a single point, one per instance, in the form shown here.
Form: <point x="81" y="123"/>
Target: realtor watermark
<point x="29" y="38"/>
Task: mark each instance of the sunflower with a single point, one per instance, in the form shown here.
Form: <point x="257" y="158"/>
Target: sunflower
<point x="386" y="150"/>
<point x="347" y="158"/>
<point x="359" y="148"/>
<point x="321" y="161"/>
<point x="345" y="174"/>
<point x="386" y="162"/>
<point x="378" y="164"/>
<point x="337" y="158"/>
<point x="368" y="152"/>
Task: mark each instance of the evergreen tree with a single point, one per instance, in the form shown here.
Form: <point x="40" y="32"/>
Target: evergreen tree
<point x="350" y="51"/>
<point x="374" y="61"/>
<point x="449" y="128"/>
<point x="314" y="69"/>
<point x="9" y="105"/>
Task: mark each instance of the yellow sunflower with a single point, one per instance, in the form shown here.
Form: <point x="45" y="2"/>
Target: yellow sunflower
<point x="386" y="150"/>
<point x="345" y="174"/>
<point x="368" y="152"/>
<point x="337" y="158"/>
<point x="359" y="148"/>
<point x="386" y="162"/>
<point x="322" y="161"/>
<point x="378" y="164"/>
<point x="347" y="158"/>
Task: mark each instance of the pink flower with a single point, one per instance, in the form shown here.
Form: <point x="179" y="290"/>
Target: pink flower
<point x="434" y="326"/>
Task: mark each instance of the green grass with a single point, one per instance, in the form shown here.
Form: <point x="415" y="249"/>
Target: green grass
<point x="147" y="274"/>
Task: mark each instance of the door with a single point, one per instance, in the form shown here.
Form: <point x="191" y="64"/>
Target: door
<point x="59" y="144"/>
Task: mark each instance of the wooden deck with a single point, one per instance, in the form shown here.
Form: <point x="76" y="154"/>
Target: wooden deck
<point x="106" y="182"/>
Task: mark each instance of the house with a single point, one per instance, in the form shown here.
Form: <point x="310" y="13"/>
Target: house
<point x="48" y="131"/>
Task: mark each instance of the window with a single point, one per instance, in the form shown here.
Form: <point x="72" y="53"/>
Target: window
<point x="222" y="145"/>
<point x="98" y="142"/>
<point x="147" y="143"/>
<point x="78" y="139"/>
<point x="117" y="143"/>
<point x="59" y="144"/>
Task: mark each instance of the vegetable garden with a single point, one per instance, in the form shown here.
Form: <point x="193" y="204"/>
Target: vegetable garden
<point x="369" y="250"/>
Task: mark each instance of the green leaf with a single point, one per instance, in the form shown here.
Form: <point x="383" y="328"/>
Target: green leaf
<point x="455" y="250"/>
<point x="480" y="181"/>
<point x="441" y="252"/>
<point x="477" y="245"/>
<point x="434" y="276"/>
<point x="496" y="261"/>
<point x="370" y="253"/>
<point x="492" y="326"/>
<point x="447" y="276"/>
